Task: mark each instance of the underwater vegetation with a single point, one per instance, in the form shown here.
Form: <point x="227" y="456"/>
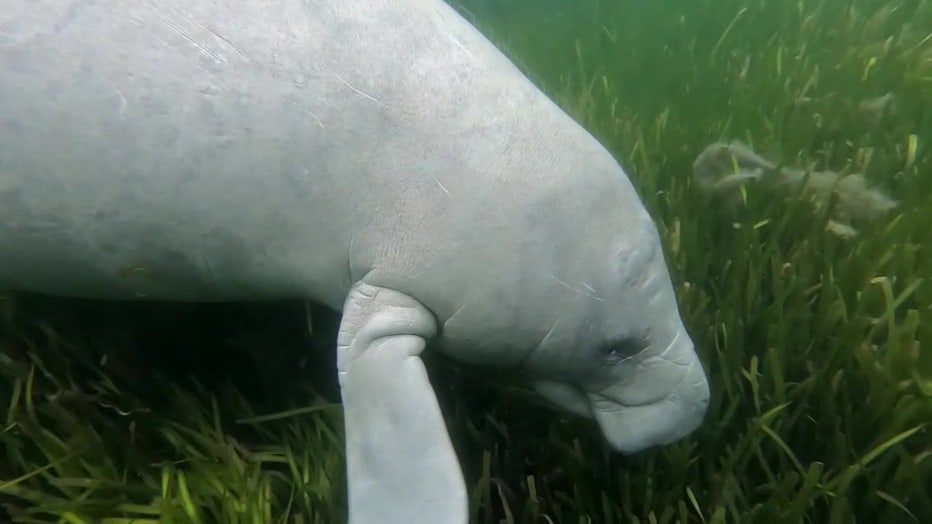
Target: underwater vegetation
<point x="812" y="336"/>
<point x="724" y="169"/>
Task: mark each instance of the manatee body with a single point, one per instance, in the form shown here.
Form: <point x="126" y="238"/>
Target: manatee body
<point x="380" y="157"/>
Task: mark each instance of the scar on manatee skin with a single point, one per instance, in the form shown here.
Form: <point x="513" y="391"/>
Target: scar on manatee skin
<point x="357" y="90"/>
<point x="123" y="104"/>
<point x="444" y="189"/>
<point x="590" y="294"/>
<point x="233" y="46"/>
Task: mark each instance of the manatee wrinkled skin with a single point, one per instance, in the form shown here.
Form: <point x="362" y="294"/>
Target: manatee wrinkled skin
<point x="380" y="157"/>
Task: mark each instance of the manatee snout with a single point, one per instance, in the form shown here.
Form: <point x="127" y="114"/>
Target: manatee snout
<point x="654" y="399"/>
<point x="666" y="400"/>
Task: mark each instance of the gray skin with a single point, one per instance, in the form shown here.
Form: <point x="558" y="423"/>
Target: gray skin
<point x="380" y="157"/>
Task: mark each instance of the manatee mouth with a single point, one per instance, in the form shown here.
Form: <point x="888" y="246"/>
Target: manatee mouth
<point x="631" y="424"/>
<point x="565" y="396"/>
<point x="630" y="427"/>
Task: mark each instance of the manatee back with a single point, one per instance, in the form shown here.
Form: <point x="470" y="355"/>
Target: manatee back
<point x="213" y="151"/>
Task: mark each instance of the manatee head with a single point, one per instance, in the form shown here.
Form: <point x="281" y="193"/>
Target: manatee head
<point x="618" y="352"/>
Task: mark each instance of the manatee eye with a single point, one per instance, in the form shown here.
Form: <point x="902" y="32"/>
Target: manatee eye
<point x="622" y="348"/>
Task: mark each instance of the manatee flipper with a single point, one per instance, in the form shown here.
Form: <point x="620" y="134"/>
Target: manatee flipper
<point x="401" y="466"/>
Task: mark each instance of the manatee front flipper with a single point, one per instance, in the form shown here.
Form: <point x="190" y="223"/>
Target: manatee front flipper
<point x="401" y="466"/>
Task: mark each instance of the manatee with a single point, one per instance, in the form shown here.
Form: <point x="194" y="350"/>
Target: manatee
<point x="382" y="158"/>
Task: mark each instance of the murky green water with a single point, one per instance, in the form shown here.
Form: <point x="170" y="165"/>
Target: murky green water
<point x="802" y="260"/>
